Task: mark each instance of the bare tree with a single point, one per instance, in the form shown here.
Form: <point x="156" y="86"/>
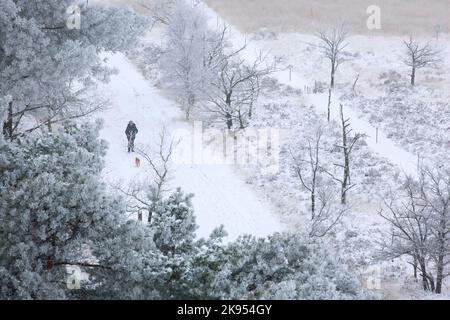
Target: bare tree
<point x="220" y="48"/>
<point x="347" y="146"/>
<point x="236" y="89"/>
<point x="333" y="43"/>
<point x="50" y="111"/>
<point x="308" y="170"/>
<point x="435" y="192"/>
<point x="420" y="56"/>
<point x="408" y="215"/>
<point x="235" y="85"/>
<point x="324" y="215"/>
<point x="329" y="105"/>
<point x="146" y="198"/>
<point x="420" y="220"/>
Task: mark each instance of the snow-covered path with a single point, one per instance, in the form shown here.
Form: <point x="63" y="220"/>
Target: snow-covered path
<point x="220" y="196"/>
<point x="385" y="147"/>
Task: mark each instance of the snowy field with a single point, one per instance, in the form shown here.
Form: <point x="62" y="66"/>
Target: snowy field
<point x="391" y="135"/>
<point x="284" y="150"/>
<point x="246" y="201"/>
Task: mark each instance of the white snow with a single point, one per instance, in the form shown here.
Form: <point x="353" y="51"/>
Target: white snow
<point x="406" y="161"/>
<point x="220" y="196"/>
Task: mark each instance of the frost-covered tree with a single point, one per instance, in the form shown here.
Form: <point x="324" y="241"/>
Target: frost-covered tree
<point x="133" y="266"/>
<point x="174" y="235"/>
<point x="236" y="89"/>
<point x="56" y="213"/>
<point x="333" y="43"/>
<point x="182" y="270"/>
<point x="201" y="64"/>
<point x="419" y="214"/>
<point x="282" y="266"/>
<point x="206" y="264"/>
<point x="419" y="55"/>
<point x="174" y="224"/>
<point x="47" y="68"/>
<point x="184" y="60"/>
<point x="349" y="141"/>
<point x="311" y="172"/>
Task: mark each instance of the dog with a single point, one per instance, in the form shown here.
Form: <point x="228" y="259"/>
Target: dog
<point x="137" y="161"/>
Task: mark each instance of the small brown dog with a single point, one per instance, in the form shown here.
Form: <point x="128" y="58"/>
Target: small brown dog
<point x="138" y="162"/>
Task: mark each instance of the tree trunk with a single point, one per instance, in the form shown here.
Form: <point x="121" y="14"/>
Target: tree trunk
<point x="346" y="177"/>
<point x="250" y="111"/>
<point x="228" y="117"/>
<point x="229" y="121"/>
<point x="329" y="105"/>
<point x="346" y="180"/>
<point x="188" y="114"/>
<point x="440" y="273"/>
<point x="241" y="120"/>
<point x="441" y="254"/>
<point x="190" y="106"/>
<point x="431" y="283"/>
<point x="413" y="76"/>
<point x="150" y="215"/>
<point x="8" y="124"/>
<point x="415" y="266"/>
<point x="333" y="71"/>
<point x="343" y="195"/>
<point x="425" y="278"/>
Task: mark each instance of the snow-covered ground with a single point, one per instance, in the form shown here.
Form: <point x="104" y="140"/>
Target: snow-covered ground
<point x="221" y="198"/>
<point x="415" y="119"/>
<point x="385" y="147"/>
<point x="363" y="218"/>
<point x="247" y="202"/>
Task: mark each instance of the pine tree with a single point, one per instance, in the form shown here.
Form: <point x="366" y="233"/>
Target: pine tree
<point x="56" y="213"/>
<point x="282" y="266"/>
<point x="49" y="69"/>
<point x="174" y="228"/>
<point x="185" y="70"/>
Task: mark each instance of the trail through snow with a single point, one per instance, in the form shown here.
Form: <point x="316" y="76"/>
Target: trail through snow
<point x="221" y="198"/>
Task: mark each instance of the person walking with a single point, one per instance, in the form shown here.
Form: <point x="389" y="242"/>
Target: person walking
<point x="131" y="133"/>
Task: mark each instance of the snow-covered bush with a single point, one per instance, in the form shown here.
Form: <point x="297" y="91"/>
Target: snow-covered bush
<point x="56" y="213"/>
<point x="416" y="118"/>
<point x="174" y="228"/>
<point x="283" y="266"/>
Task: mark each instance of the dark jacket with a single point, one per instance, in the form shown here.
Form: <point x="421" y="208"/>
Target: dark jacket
<point x="131" y="130"/>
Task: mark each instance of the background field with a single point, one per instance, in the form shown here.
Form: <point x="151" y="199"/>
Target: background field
<point x="398" y="16"/>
